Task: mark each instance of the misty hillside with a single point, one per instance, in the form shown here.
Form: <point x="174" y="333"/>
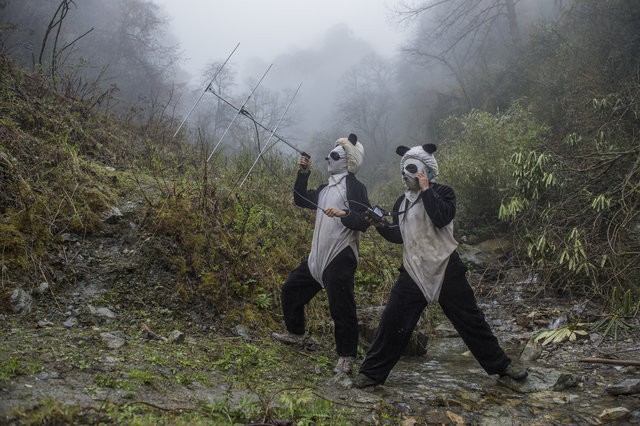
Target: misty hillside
<point x="66" y="169"/>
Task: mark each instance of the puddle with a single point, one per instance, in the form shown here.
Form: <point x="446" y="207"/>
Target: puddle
<point x="449" y="380"/>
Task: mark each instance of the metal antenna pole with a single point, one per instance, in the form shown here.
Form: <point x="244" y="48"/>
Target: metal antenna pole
<point x="280" y="138"/>
<point x="270" y="136"/>
<point x="240" y="111"/>
<point x="205" y="90"/>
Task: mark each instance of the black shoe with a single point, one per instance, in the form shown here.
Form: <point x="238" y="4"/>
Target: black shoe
<point x="362" y="381"/>
<point x="516" y="373"/>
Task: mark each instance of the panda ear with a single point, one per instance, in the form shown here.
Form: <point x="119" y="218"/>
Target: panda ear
<point x="429" y="147"/>
<point x="353" y="138"/>
<point x="401" y="150"/>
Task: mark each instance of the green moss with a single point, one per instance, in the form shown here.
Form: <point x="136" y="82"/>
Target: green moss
<point x="13" y="367"/>
<point x="12" y="247"/>
<point x="10" y="368"/>
<point x="52" y="412"/>
<point x="111" y="380"/>
<point x="143" y="376"/>
<point x="96" y="200"/>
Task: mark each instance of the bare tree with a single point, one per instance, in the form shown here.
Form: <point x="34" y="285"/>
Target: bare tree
<point x="455" y="36"/>
<point x="55" y="25"/>
<point x="367" y="103"/>
<point x="464" y="22"/>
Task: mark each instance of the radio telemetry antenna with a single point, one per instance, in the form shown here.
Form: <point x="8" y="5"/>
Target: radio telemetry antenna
<point x="205" y="90"/>
<point x="266" y="145"/>
<point x="241" y="110"/>
<point x="278" y="137"/>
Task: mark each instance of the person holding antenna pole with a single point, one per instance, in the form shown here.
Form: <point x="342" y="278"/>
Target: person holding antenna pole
<point x="331" y="264"/>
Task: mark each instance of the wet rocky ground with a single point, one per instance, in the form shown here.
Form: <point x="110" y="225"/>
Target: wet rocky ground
<point x="101" y="349"/>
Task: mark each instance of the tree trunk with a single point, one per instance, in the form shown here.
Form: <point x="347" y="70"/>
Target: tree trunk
<point x="513" y="23"/>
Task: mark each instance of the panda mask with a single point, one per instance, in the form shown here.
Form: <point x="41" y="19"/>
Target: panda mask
<point x="337" y="161"/>
<point x="415" y="160"/>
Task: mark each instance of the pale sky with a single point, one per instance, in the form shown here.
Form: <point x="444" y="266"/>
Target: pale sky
<point x="208" y="30"/>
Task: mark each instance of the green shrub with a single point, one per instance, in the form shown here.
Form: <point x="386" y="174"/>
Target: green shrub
<point x="475" y="161"/>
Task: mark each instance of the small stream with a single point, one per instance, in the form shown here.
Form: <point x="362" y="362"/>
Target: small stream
<point x="448" y="386"/>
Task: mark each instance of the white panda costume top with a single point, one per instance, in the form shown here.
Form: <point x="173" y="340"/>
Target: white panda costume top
<point x="331" y="235"/>
<point x="425" y="228"/>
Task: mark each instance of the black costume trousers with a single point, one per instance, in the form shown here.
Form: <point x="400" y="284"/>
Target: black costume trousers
<point x="338" y="276"/>
<point x="403" y="310"/>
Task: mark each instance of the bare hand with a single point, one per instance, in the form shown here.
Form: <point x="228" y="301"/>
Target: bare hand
<point x="303" y="162"/>
<point x="332" y="212"/>
<point x="423" y="181"/>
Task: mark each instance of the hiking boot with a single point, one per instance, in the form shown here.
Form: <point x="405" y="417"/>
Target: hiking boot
<point x="289" y="338"/>
<point x="514" y="372"/>
<point x="362" y="381"/>
<point x="344" y="365"/>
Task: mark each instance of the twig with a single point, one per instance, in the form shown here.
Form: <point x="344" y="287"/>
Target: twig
<point x="622" y="351"/>
<point x="171" y="410"/>
<point x="611" y="361"/>
<point x="151" y="335"/>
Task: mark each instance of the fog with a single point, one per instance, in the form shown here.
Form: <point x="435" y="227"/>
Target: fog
<point x="313" y="43"/>
<point x="360" y="70"/>
<point x="207" y="31"/>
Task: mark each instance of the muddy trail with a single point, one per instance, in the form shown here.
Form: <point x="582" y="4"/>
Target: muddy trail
<point x="105" y="345"/>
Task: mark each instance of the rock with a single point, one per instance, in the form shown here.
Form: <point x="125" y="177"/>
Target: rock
<point x="445" y="329"/>
<point x="102" y="313"/>
<point x="531" y="351"/>
<point x="176" y="336"/>
<point x="242" y="331"/>
<point x="341" y="380"/>
<point x="627" y="387"/>
<point x="565" y="381"/>
<point x="617" y="413"/>
<point x="112" y="341"/>
<point x="112" y="216"/>
<point x="21" y="301"/>
<point x="41" y="289"/>
<point x="541" y="379"/>
<point x="486" y="255"/>
<point x="70" y="322"/>
<point x="44" y="324"/>
<point x="44" y="375"/>
<point x="68" y="238"/>
<point x="368" y="319"/>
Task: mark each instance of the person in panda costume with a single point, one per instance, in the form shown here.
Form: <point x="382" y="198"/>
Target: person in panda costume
<point x="332" y="261"/>
<point x="431" y="271"/>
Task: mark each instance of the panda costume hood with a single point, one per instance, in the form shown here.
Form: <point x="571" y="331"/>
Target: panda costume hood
<point x="353" y="150"/>
<point x="331" y="235"/>
<point x="426" y="246"/>
<point x="415" y="160"/>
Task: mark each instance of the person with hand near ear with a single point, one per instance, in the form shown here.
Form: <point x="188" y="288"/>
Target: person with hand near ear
<point x="332" y="261"/>
<point x="431" y="272"/>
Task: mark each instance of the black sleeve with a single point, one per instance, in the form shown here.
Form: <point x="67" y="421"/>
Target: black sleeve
<point x="440" y="203"/>
<point x="358" y="201"/>
<point x="391" y="232"/>
<point x="302" y="197"/>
